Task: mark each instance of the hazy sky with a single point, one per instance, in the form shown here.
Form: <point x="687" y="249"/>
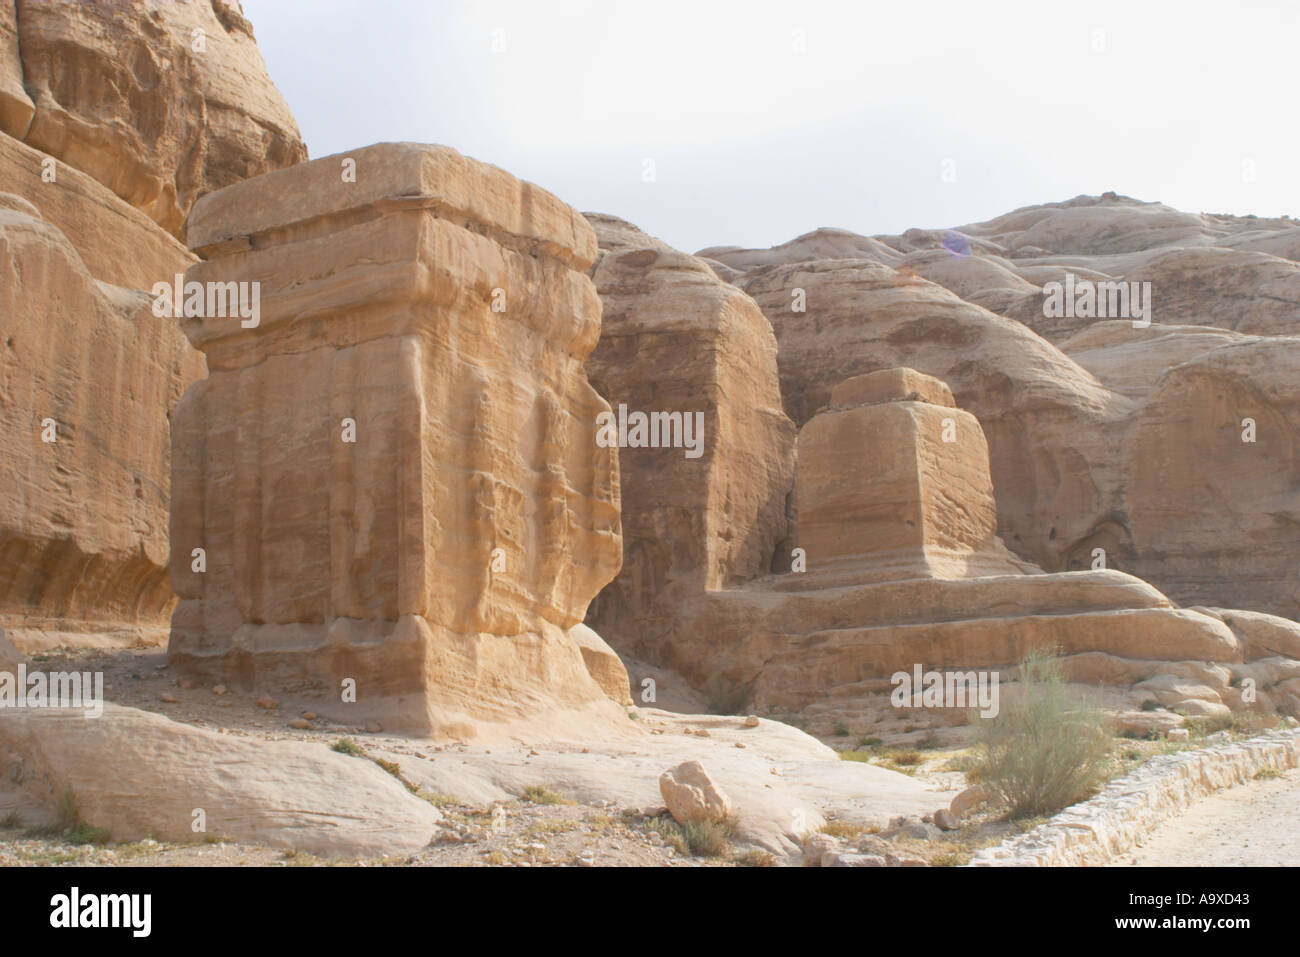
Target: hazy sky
<point x="767" y="119"/>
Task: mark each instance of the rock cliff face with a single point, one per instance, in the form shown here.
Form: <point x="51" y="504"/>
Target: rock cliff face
<point x="87" y="378"/>
<point x="394" y="475"/>
<point x="903" y="569"/>
<point x="114" y="118"/>
<point x="1071" y="404"/>
<point x="162" y="102"/>
<point x="1050" y="423"/>
<point x="697" y="515"/>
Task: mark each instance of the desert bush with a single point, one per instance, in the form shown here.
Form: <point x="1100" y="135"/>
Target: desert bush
<point x="905" y="756"/>
<point x="702" y="838"/>
<point x="543" y="794"/>
<point x="707" y="838"/>
<point x="348" y="746"/>
<point x="84" y="833"/>
<point x="1047" y="748"/>
<point x="754" y="857"/>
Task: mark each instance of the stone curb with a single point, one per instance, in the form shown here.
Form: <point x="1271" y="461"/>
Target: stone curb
<point x="1115" y="820"/>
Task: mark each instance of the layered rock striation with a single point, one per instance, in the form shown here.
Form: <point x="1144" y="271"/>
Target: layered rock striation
<point x="394" y="475"/>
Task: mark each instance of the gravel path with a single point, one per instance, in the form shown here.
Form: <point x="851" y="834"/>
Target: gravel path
<point x="1249" y="826"/>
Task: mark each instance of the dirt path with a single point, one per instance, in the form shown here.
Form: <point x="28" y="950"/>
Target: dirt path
<point x="1252" y="826"/>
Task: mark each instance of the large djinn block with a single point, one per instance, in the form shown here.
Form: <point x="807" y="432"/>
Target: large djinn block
<point x="392" y="469"/>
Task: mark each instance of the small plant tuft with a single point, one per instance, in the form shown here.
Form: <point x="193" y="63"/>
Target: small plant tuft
<point x="754" y="857"/>
<point x="543" y="794"/>
<point x="1045" y="750"/>
<point x="348" y="746"/>
<point x="84" y="833"/>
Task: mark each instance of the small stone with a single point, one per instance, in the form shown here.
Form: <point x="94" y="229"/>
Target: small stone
<point x="374" y="728"/>
<point x="301" y="724"/>
<point x="219" y="690"/>
<point x="740" y="744"/>
<point x="267" y="703"/>
<point x="920" y="830"/>
<point x="969" y="799"/>
<point x="945" y="820"/>
<point x="169" y="698"/>
<point x="751" y="721"/>
<point x="817" y="846"/>
<point x="309" y="715"/>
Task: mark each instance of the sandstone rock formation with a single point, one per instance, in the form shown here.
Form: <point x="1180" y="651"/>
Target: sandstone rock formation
<point x="603" y="663"/>
<point x="924" y="581"/>
<point x="676" y="340"/>
<point x="117" y="242"/>
<point x="16" y="107"/>
<point x="395" y="475"/>
<point x="1065" y="424"/>
<point x="1049" y="421"/>
<point x="89" y="374"/>
<point x="692" y="796"/>
<point x="10" y="659"/>
<point x="282" y="793"/>
<point x="161" y="102"/>
<point x="895" y="526"/>
<point x="893" y="484"/>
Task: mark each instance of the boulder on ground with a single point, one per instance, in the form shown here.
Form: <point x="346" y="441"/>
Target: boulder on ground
<point x="691" y="795"/>
<point x="163" y="773"/>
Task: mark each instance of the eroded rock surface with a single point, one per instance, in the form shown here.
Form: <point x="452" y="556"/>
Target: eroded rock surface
<point x="283" y="793"/>
<point x="88" y="377"/>
<point x="162" y="102"/>
<point x="395" y="474"/>
<point x="677" y="341"/>
<point x="1068" y="402"/>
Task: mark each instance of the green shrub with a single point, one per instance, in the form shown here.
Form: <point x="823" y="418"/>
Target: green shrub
<point x="697" y="838"/>
<point x="542" y="794"/>
<point x="1046" y="749"/>
<point x="86" y="834"/>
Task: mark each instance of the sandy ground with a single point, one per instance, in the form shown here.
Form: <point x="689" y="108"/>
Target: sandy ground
<point x="1255" y="825"/>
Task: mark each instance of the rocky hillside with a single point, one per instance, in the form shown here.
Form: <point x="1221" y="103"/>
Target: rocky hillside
<point x="428" y="516"/>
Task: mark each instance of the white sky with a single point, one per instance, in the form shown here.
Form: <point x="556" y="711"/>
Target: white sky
<point x="1190" y="103"/>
